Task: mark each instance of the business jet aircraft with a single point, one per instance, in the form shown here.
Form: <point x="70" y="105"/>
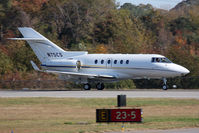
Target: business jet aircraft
<point x="84" y="68"/>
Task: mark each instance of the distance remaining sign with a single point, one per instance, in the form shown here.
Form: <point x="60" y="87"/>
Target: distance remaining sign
<point x="118" y="115"/>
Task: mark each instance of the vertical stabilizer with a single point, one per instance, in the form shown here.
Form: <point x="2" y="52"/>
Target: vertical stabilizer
<point x="44" y="49"/>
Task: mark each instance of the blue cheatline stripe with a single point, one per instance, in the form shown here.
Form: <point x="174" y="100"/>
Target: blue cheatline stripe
<point x="58" y="66"/>
<point x="91" y="67"/>
<point x="109" y="68"/>
<point x="71" y="66"/>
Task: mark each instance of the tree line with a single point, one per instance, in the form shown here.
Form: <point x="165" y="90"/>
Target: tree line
<point x="101" y="26"/>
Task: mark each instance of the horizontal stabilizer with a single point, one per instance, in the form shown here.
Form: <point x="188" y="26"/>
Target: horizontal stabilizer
<point x="34" y="66"/>
<point x="28" y="39"/>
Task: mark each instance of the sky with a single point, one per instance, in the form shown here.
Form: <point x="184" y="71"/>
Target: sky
<point x="163" y="4"/>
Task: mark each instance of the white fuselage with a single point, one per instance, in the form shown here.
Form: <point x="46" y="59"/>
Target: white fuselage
<point x="122" y="66"/>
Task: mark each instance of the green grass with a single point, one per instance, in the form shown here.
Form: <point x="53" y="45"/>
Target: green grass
<point x="70" y="115"/>
<point x="162" y="102"/>
<point x="93" y="102"/>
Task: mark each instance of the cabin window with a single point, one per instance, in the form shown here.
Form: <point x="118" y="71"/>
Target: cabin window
<point x="157" y="59"/>
<point x="96" y="61"/>
<point x="115" y="61"/>
<point x="153" y="60"/>
<point x="160" y="60"/>
<point x="127" y="61"/>
<point x="121" y="62"/>
<point x="102" y="61"/>
<point x="163" y="59"/>
<point x="109" y="61"/>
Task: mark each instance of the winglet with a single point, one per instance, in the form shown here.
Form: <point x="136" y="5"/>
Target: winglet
<point x="34" y="66"/>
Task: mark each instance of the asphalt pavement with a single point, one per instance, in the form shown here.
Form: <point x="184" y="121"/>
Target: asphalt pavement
<point x="188" y="130"/>
<point x="104" y="94"/>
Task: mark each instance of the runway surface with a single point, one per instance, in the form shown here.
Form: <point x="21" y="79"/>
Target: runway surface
<point x="189" y="130"/>
<point x="105" y="94"/>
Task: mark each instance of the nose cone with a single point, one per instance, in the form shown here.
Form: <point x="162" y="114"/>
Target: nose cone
<point x="178" y="70"/>
<point x="181" y="70"/>
<point x="184" y="71"/>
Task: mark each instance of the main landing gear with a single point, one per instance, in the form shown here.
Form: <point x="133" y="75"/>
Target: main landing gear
<point x="99" y="86"/>
<point x="87" y="86"/>
<point x="165" y="84"/>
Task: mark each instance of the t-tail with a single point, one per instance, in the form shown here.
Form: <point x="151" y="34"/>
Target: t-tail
<point x="45" y="50"/>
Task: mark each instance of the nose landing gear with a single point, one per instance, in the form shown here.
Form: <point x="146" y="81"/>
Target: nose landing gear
<point x="165" y="84"/>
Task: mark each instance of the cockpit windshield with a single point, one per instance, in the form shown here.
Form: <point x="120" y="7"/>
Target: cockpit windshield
<point x="160" y="60"/>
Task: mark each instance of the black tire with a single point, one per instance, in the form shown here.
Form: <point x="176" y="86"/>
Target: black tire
<point x="100" y="86"/>
<point x="164" y="87"/>
<point x="87" y="86"/>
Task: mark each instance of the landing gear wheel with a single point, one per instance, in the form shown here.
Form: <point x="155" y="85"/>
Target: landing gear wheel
<point x="165" y="84"/>
<point x="164" y="87"/>
<point x="87" y="86"/>
<point x="100" y="86"/>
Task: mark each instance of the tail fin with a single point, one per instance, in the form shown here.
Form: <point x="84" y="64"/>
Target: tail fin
<point x="44" y="49"/>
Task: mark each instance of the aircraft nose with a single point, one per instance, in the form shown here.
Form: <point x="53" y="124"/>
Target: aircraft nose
<point x="183" y="71"/>
<point x="178" y="70"/>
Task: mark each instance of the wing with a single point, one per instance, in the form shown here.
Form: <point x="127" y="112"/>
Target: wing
<point x="100" y="76"/>
<point x="82" y="74"/>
